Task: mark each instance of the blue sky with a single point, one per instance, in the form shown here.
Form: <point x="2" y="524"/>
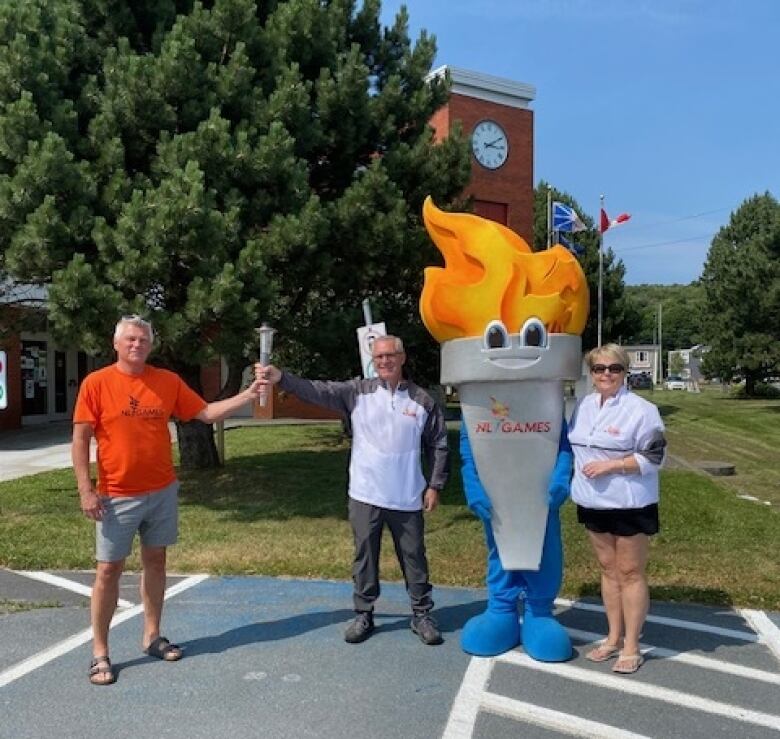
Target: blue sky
<point x="669" y="108"/>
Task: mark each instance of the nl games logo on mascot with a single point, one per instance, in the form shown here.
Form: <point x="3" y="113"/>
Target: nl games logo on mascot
<point x="509" y="322"/>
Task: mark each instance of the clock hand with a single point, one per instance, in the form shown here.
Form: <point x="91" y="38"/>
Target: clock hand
<point x="494" y="142"/>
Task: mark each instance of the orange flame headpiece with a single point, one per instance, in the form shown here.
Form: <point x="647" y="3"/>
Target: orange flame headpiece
<point x="490" y="273"/>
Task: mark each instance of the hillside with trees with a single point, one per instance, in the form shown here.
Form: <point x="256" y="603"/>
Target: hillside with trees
<point x="682" y="314"/>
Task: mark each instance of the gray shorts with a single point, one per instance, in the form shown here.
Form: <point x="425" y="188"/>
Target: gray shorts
<point x="155" y="515"/>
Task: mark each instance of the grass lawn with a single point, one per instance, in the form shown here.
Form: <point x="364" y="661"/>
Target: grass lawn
<point x="711" y="426"/>
<point x="278" y="507"/>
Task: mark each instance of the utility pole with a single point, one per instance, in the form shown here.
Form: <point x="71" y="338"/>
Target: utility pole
<point x="660" y="343"/>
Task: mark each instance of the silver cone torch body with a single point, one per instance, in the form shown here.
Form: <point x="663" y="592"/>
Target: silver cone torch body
<point x="512" y="404"/>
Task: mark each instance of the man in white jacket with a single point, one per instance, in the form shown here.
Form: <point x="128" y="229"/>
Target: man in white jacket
<point x="390" y="418"/>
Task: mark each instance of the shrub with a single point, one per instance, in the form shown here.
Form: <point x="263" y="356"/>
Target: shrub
<point x="761" y="390"/>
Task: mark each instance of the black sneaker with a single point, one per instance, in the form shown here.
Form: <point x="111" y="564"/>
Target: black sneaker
<point x="425" y="627"/>
<point x="360" y="629"/>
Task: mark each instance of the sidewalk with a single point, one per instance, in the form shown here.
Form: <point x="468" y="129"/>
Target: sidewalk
<point x="34" y="449"/>
<point x="43" y="447"/>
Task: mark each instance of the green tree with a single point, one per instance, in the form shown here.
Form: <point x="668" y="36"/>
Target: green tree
<point x="676" y="363"/>
<point x="742" y="283"/>
<point x="682" y="315"/>
<point x="619" y="316"/>
<point x="212" y="164"/>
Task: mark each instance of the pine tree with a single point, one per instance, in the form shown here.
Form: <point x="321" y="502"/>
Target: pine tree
<point x="742" y="283"/>
<point x="214" y="164"/>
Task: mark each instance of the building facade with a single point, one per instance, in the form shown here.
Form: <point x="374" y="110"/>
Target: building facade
<point x="495" y="114"/>
<point x="644" y="358"/>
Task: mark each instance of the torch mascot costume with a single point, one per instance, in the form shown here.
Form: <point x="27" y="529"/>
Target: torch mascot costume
<point x="509" y="322"/>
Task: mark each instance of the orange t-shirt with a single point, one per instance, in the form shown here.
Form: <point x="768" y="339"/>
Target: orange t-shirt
<point x="129" y="415"/>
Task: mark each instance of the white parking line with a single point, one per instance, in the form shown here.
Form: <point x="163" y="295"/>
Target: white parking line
<point x="566" y="723"/>
<point x="47" y="655"/>
<point x="707" y="663"/>
<point x="65" y="584"/>
<point x="676" y="623"/>
<point x="469" y="699"/>
<point x="767" y="630"/>
<point x="645" y="690"/>
<point x="474" y="696"/>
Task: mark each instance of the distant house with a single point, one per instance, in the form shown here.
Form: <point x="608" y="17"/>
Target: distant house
<point x="691" y="362"/>
<point x="644" y="358"/>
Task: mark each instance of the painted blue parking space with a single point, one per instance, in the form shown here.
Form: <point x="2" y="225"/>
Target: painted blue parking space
<point x="266" y="657"/>
<point x="263" y="657"/>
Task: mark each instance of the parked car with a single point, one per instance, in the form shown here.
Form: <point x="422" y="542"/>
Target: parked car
<point x="675" y="382"/>
<point x="640" y="381"/>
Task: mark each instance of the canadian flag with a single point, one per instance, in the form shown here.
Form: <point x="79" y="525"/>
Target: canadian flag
<point x="607" y="223"/>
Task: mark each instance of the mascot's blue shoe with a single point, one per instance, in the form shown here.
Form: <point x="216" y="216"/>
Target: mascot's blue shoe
<point x="491" y="633"/>
<point x="544" y="638"/>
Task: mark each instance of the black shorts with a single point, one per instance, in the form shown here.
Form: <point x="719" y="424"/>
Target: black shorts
<point x="620" y="521"/>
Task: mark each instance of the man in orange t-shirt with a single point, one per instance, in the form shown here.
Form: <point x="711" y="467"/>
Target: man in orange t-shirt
<point x="126" y="407"/>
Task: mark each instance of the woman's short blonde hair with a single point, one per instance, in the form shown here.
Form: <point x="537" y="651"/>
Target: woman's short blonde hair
<point x="612" y="351"/>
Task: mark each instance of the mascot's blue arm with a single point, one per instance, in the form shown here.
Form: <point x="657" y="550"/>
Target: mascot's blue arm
<point x="476" y="497"/>
<point x="560" y="480"/>
<point x="478" y="500"/>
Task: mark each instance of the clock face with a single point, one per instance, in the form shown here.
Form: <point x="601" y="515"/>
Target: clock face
<point x="489" y="144"/>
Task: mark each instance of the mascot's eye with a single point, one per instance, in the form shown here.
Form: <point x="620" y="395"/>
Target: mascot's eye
<point x="533" y="333"/>
<point x="496" y="336"/>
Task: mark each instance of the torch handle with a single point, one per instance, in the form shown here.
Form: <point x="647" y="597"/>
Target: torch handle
<point x="266" y="344"/>
<point x="265" y="360"/>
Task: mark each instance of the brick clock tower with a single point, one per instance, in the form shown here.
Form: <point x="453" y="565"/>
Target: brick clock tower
<point x="495" y="115"/>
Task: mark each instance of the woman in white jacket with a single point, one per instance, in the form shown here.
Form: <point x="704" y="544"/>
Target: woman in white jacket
<point x="618" y="442"/>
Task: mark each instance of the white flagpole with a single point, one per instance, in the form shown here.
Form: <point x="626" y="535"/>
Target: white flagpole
<point x="549" y="216"/>
<point x="601" y="273"/>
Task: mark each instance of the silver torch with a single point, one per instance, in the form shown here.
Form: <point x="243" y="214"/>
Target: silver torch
<point x="266" y="334"/>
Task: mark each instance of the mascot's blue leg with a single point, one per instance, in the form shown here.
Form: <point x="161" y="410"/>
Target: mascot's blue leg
<point x="544" y="638"/>
<point x="497" y="630"/>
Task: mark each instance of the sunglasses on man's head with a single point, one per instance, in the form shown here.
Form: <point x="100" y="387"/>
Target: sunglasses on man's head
<point x="600" y="369"/>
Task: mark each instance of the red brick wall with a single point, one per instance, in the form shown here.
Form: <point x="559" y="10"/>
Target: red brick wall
<point x="440" y="121"/>
<point x="287" y="405"/>
<point x="211" y="380"/>
<point x="11" y="417"/>
<point x="512" y="183"/>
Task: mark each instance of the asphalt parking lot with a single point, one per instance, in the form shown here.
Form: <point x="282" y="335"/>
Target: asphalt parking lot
<point x="266" y="657"/>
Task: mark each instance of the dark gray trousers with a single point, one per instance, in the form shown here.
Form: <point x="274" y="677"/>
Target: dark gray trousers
<point x="408" y="531"/>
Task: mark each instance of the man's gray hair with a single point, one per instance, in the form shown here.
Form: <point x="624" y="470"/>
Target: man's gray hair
<point x="398" y="344"/>
<point x="133" y="320"/>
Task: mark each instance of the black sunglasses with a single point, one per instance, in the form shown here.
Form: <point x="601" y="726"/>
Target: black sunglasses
<point x="600" y="369"/>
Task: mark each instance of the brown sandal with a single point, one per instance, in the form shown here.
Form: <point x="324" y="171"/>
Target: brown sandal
<point x="164" y="650"/>
<point x="101" y="666"/>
